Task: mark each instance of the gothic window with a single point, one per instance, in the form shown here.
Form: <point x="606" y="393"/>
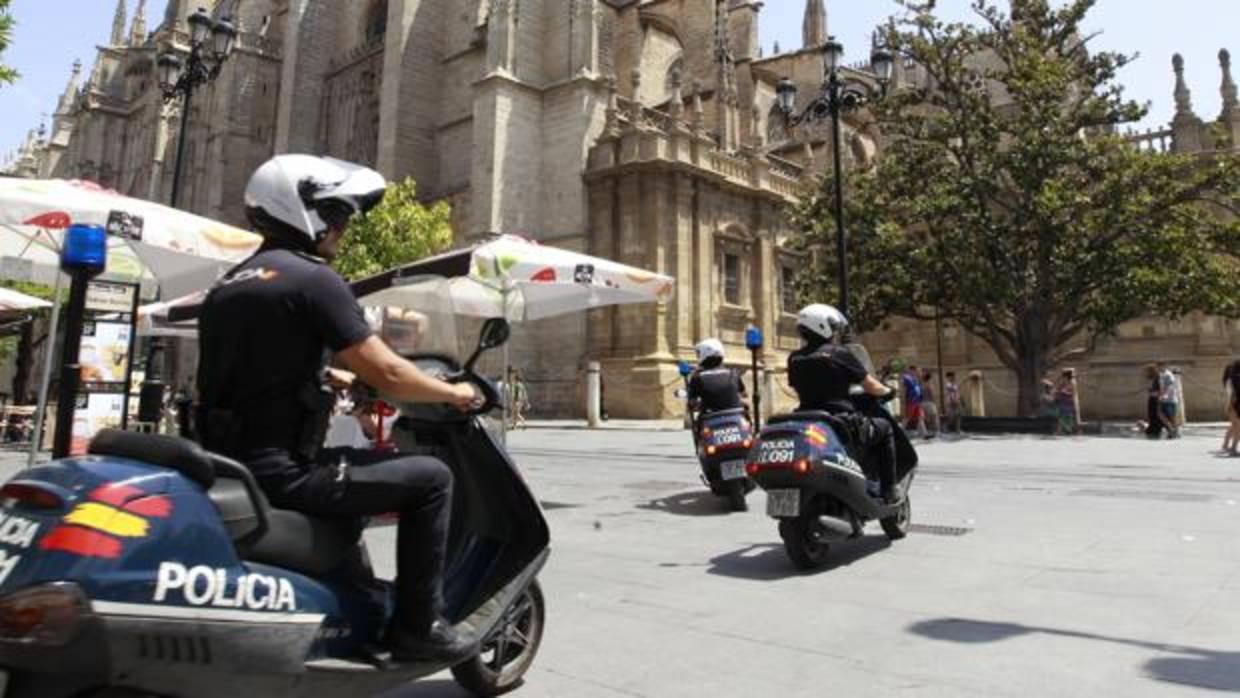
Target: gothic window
<point x="776" y="126"/>
<point x="675" y="75"/>
<point x="731" y="279"/>
<point x="787" y="288"/>
<point x="376" y="21"/>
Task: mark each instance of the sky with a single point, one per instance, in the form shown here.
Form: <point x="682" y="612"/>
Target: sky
<point x="50" y="34"/>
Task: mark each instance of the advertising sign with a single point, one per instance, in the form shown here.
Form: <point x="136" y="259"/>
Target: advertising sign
<point x="106" y="358"/>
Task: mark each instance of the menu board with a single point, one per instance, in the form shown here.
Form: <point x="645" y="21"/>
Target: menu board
<point x="106" y="358"/>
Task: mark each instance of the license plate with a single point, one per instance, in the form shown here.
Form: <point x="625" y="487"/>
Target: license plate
<point x="783" y="503"/>
<point x="732" y="469"/>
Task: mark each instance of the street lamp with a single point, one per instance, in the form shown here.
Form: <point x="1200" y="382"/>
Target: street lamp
<point x="211" y="44"/>
<point x="837" y="97"/>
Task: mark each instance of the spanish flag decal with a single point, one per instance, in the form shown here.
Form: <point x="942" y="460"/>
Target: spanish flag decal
<point x="815" y="435"/>
<point x="98" y="528"/>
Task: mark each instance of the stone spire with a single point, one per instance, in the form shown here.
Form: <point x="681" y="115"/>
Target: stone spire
<point x="118" y="25"/>
<point x="137" y="32"/>
<point x="1183" y="97"/>
<point x="66" y="100"/>
<point x="1231" y="109"/>
<point x="814" y="27"/>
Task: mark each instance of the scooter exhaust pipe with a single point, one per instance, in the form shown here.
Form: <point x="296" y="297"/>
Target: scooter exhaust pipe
<point x="832" y="528"/>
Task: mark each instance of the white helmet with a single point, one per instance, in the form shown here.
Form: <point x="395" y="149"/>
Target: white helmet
<point x="304" y="195"/>
<point x="709" y="349"/>
<point x="822" y="320"/>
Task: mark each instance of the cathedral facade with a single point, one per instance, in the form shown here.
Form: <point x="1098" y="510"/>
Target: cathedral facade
<point x="643" y="131"/>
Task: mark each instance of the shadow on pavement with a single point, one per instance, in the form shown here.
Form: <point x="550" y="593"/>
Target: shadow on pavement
<point x="1194" y="666"/>
<point x="442" y="688"/>
<point x="695" y="503"/>
<point x="768" y="561"/>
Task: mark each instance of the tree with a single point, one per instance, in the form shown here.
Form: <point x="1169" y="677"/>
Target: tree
<point x="397" y="231"/>
<point x="1005" y="201"/>
<point x="7" y="74"/>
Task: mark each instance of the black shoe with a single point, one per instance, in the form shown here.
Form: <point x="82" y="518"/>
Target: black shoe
<point x="442" y="644"/>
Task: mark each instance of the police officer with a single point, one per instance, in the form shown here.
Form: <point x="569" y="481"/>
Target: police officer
<point x="822" y="373"/>
<point x="266" y="332"/>
<point x="713" y="387"/>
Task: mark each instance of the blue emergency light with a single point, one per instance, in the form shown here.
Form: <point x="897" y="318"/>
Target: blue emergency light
<point x="85" y="249"/>
<point x="685" y="368"/>
<point x="753" y="338"/>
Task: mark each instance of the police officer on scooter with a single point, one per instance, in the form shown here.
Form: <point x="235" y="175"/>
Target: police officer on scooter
<point x="267" y="330"/>
<point x="712" y="386"/>
<point x="822" y="373"/>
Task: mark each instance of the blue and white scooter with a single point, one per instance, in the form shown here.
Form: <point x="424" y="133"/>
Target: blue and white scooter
<point x="153" y="568"/>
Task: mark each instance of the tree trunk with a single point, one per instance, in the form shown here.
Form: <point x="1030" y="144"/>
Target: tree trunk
<point x="1030" y="369"/>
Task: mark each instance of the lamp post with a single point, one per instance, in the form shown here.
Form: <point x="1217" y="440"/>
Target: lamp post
<point x="837" y="97"/>
<point x="211" y="43"/>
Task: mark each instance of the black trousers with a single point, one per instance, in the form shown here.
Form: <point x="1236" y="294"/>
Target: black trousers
<point x="419" y="488"/>
<point x="1153" y="416"/>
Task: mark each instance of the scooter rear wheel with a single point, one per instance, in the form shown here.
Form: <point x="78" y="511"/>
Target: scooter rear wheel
<point x="508" y="653"/>
<point x="896" y="527"/>
<point x="805" y="550"/>
<point x="736" y="492"/>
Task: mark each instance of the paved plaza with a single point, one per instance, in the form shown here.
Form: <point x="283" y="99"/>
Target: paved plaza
<point x="1038" y="567"/>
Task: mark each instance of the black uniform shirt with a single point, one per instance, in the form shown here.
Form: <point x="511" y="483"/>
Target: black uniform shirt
<point x="717" y="388"/>
<point x="264" y="332"/>
<point x="822" y="376"/>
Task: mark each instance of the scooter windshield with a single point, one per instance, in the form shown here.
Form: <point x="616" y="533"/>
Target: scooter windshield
<point x="419" y="318"/>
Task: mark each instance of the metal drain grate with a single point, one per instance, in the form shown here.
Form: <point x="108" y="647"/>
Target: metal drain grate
<point x="1144" y="495"/>
<point x="938" y="530"/>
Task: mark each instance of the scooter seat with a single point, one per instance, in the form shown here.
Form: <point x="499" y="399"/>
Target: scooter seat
<point x="307" y="544"/>
<point x="175" y="453"/>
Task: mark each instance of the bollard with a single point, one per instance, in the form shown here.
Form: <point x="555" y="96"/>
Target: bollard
<point x="977" y="395"/>
<point x="594" y="394"/>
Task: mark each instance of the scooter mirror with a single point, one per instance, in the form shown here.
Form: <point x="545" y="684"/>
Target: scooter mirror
<point x="495" y="332"/>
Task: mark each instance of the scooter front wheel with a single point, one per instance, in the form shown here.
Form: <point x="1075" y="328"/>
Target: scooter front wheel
<point x="806" y="550"/>
<point x="507" y="654"/>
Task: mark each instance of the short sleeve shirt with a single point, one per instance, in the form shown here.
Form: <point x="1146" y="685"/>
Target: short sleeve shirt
<point x="822" y="376"/>
<point x="264" y="333"/>
<point x="718" y="389"/>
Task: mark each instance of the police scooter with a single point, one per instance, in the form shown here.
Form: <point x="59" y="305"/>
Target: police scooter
<point x="816" y="487"/>
<point x="154" y="568"/>
<point x="722" y="438"/>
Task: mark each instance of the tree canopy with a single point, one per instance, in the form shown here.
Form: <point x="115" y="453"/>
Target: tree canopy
<point x="1004" y="199"/>
<point x="397" y="231"/>
<point x="7" y="74"/>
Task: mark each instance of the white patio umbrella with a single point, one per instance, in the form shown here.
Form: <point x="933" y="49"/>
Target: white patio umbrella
<point x="519" y="280"/>
<point x="516" y="279"/>
<point x="12" y="301"/>
<point x="148" y="243"/>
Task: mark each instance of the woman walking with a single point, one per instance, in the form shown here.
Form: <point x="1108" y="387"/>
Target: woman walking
<point x="1231" y="382"/>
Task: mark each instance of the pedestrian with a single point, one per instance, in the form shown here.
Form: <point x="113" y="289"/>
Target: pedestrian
<point x="1231" y="383"/>
<point x="1046" y="399"/>
<point x="953" y="406"/>
<point x="929" y="404"/>
<point x="1065" y="403"/>
<point x="913" y="416"/>
<point x="1153" y="424"/>
<point x="1168" y="406"/>
<point x="519" y="398"/>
